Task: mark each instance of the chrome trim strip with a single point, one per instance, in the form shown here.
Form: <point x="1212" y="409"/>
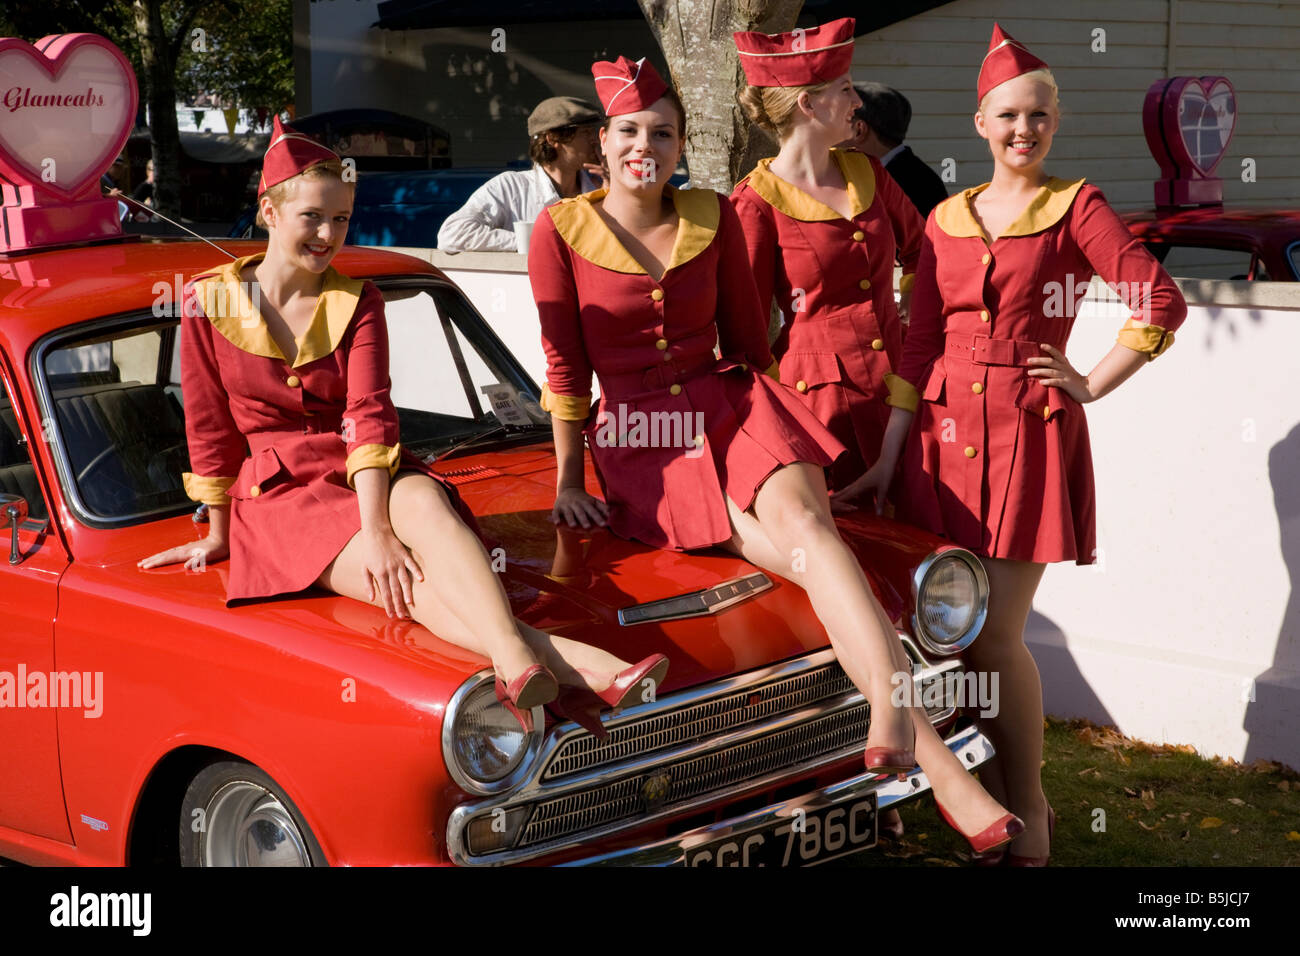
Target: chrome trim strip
<point x="458" y="773"/>
<point x="535" y="788"/>
<point x="711" y="601"/>
<point x="981" y="608"/>
<point x="972" y="748"/>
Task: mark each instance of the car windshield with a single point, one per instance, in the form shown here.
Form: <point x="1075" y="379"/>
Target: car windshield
<point x="118" y="410"/>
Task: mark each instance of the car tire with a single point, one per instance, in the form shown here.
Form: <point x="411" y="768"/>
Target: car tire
<point x="233" y="814"/>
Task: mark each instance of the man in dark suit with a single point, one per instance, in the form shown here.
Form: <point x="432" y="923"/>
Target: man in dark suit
<point x="879" y="129"/>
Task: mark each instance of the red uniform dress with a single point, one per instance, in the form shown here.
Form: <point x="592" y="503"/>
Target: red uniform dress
<point x="310" y="426"/>
<point x="996" y="461"/>
<point x="678" y="428"/>
<point x="834" y="278"/>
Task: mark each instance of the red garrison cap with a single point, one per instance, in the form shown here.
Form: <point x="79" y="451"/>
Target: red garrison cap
<point x="1007" y="58"/>
<point x="625" y="86"/>
<point x="289" y="154"/>
<point x="797" y="58"/>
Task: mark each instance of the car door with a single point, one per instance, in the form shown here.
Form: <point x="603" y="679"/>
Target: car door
<point x="31" y="785"/>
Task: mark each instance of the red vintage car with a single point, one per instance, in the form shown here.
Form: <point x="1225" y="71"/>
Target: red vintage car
<point x="1213" y="242"/>
<point x="143" y="721"/>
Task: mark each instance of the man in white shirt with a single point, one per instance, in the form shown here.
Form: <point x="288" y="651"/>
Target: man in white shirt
<point x="564" y="147"/>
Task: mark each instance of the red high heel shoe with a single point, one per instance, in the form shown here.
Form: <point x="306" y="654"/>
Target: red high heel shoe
<point x="583" y="707"/>
<point x="627" y="688"/>
<point x="534" y="687"/>
<point x="998" y="833"/>
<point x="899" y="761"/>
<point x="1015" y="859"/>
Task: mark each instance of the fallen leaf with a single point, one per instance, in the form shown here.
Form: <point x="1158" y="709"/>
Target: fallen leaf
<point x="1086" y="770"/>
<point x="1149" y="799"/>
<point x="1130" y="791"/>
<point x="938" y="862"/>
<point x="1145" y="827"/>
<point x="1235" y="830"/>
<point x="1210" y="823"/>
<point x="1293" y="837"/>
<point x="922" y="836"/>
<point x="1186" y="835"/>
<point x="1184" y="815"/>
<point x="1284" y="786"/>
<point x="1237" y="801"/>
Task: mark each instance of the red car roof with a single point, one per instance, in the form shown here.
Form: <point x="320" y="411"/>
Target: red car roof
<point x="1210" y="222"/>
<point x="44" y="291"/>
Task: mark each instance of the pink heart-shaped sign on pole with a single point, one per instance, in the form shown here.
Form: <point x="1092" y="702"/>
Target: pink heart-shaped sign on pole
<point x="1189" y="121"/>
<point x="67" y="105"/>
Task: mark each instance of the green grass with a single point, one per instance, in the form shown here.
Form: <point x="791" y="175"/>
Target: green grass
<point x="1164" y="806"/>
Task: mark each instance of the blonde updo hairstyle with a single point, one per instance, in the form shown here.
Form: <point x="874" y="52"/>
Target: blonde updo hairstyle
<point x="773" y="108"/>
<point x="281" y="193"/>
<point x="1043" y="76"/>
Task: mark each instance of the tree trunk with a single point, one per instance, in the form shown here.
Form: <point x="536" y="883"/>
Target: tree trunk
<point x="695" y="37"/>
<point x="159" y="60"/>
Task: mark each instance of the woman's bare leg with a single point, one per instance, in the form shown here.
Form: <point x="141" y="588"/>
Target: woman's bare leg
<point x="1017" y="730"/>
<point x="458" y="574"/>
<point x="787" y="508"/>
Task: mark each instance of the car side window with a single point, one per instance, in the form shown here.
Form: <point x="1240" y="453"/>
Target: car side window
<point x="17" y="473"/>
<point x="1203" y="262"/>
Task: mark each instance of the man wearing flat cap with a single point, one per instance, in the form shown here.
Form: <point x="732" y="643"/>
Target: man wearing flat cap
<point x="563" y="145"/>
<point x="879" y="128"/>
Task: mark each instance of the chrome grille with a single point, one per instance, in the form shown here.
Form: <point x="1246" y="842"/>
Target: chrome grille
<point x="705" y="719"/>
<point x="689" y="778"/>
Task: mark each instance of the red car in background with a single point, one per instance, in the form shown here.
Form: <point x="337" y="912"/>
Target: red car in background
<point x="1211" y="242"/>
<point x="143" y="721"/>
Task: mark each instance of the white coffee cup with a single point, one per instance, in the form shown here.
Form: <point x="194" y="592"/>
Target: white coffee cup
<point x="523" y="233"/>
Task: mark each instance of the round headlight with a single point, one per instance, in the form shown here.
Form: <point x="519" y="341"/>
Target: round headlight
<point x="951" y="600"/>
<point x="482" y="742"/>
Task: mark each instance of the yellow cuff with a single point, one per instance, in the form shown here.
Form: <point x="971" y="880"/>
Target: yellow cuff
<point x="902" y="394"/>
<point x="773" y="371"/>
<point x="1143" y="337"/>
<point x="906" y="282"/>
<point x="209" y="491"/>
<point x="567" y="408"/>
<point x="373" y="456"/>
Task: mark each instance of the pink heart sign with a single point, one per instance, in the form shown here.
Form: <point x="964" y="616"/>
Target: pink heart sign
<point x="67" y="105"/>
<point x="1189" y="121"/>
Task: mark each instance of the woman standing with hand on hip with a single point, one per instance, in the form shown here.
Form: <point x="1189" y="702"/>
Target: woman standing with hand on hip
<point x="282" y="354"/>
<point x="998" y="459"/>
<point x="823" y="227"/>
<point x="638" y="284"/>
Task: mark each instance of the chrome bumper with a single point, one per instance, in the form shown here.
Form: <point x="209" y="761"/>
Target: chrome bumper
<point x="972" y="748"/>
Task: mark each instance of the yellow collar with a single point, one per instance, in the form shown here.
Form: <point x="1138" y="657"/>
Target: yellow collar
<point x="580" y="225"/>
<point x="797" y="204"/>
<point x="1053" y="199"/>
<point x="223" y="297"/>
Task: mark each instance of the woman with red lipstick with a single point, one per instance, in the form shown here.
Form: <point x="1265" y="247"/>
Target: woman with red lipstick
<point x="282" y="354"/>
<point x="637" y="284"/>
<point x="990" y="425"/>
<point x="823" y="227"/>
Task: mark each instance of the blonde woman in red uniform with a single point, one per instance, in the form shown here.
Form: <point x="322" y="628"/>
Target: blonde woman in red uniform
<point x="637" y="284"/>
<point x="329" y="497"/>
<point x="997" y="458"/>
<point x="823" y="227"/>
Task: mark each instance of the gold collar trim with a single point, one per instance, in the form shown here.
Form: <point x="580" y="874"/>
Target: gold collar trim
<point x="797" y="204"/>
<point x="955" y="215"/>
<point x="581" y="226"/>
<point x="224" y="299"/>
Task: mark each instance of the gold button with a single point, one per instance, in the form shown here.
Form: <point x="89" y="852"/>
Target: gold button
<point x="744" y="367"/>
<point x="801" y="385"/>
<point x="864" y="284"/>
<point x="699" y="440"/>
<point x="986" y="258"/>
<point x="675" y="390"/>
<point x="657" y="295"/>
<point x="293" y="381"/>
<point x="661" y="344"/>
<point x="984" y="315"/>
<point x="1047" y="412"/>
<point x="859" y="236"/>
<point x="254" y="491"/>
<point x="877" y="344"/>
<point x="977" y="388"/>
<point x="970" y="452"/>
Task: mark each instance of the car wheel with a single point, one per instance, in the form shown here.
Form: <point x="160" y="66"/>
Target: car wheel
<point x="235" y="815"/>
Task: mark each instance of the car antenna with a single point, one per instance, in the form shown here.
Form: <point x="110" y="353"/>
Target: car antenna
<point x="153" y="212"/>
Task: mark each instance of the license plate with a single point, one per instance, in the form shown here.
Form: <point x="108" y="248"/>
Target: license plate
<point x="799" y="839"/>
